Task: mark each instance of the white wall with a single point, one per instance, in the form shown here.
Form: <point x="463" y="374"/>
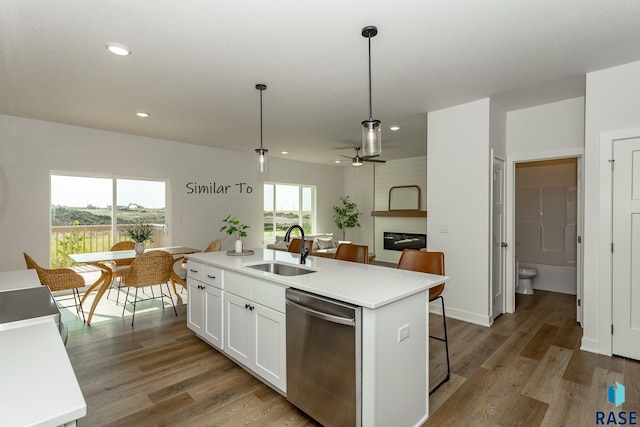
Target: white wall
<point x="546" y="128"/>
<point x="458" y="189"/>
<point x="612" y="104"/>
<point x="549" y="131"/>
<point x="391" y="174"/>
<point x="359" y="186"/>
<point x="30" y="149"/>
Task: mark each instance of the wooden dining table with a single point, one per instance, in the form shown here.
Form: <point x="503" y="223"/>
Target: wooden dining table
<point x="101" y="260"/>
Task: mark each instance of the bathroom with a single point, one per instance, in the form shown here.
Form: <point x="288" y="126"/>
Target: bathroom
<point x="546" y="211"/>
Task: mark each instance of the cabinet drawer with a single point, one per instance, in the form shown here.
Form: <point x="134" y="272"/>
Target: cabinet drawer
<point x="195" y="270"/>
<point x="262" y="292"/>
<point x="238" y="284"/>
<point x="269" y="294"/>
<point x="212" y="276"/>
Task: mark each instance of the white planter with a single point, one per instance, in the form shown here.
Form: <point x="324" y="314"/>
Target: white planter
<point x="139" y="247"/>
<point x="238" y="246"/>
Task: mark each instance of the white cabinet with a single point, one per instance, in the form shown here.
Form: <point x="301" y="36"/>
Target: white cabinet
<point x="255" y="328"/>
<point x="205" y="303"/>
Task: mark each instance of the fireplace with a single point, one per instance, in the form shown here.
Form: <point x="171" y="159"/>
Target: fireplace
<point x="401" y="241"/>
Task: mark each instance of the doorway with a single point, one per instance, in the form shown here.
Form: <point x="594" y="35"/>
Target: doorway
<point x="544" y="223"/>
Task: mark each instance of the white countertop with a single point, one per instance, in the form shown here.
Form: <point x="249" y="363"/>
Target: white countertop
<point x="366" y="285"/>
<point x="38" y="386"/>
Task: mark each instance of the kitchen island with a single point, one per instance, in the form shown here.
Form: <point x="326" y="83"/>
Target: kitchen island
<point x="241" y="311"/>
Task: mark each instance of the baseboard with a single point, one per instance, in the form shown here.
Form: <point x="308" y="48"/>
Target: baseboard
<point x="592" y="346"/>
<point x="465" y="316"/>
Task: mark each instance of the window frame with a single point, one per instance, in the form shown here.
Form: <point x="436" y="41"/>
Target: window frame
<point x="313" y="209"/>
<point x="114" y="233"/>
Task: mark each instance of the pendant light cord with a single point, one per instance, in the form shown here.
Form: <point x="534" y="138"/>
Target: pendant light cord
<point x="261" y="119"/>
<point x="370" y="108"/>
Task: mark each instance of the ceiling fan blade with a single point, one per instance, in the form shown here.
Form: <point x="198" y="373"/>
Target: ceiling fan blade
<point x="346" y="157"/>
<point x="373" y="160"/>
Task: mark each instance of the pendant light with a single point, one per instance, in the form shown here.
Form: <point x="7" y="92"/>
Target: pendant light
<point x="371" y="131"/>
<point x="263" y="163"/>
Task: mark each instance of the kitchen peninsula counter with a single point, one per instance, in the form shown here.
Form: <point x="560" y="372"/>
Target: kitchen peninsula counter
<point x="365" y="285"/>
<point x="394" y="323"/>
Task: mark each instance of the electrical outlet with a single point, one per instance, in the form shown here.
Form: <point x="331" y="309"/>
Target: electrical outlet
<point x="403" y="333"/>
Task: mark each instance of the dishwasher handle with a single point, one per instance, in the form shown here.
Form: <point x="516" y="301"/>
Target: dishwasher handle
<point x="349" y="321"/>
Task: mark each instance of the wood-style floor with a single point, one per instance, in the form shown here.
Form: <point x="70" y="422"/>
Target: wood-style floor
<point x="526" y="370"/>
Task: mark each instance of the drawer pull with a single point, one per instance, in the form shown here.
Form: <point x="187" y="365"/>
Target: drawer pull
<point x="193" y="271"/>
<point x="211" y="277"/>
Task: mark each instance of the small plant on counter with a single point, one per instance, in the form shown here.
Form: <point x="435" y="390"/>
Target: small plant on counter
<point x="234" y="227"/>
<point x="140" y="232"/>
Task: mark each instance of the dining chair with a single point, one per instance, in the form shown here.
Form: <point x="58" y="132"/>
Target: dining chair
<point x="353" y="253"/>
<point x="294" y="245"/>
<point x="429" y="262"/>
<point x="148" y="269"/>
<point x="120" y="266"/>
<point x="59" y="279"/>
<point x="180" y="265"/>
<point x="214" y="246"/>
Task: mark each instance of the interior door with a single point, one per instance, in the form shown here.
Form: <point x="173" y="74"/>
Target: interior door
<point x="499" y="246"/>
<point x="626" y="248"/>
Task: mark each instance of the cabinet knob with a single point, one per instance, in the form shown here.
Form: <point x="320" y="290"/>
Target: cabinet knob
<point x="247" y="306"/>
<point x="251" y="308"/>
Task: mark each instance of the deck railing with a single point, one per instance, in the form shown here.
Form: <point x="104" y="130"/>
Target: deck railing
<point x="67" y="240"/>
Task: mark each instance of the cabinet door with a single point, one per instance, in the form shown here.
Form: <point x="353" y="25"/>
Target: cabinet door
<point x="213" y="316"/>
<point x="195" y="306"/>
<point x="238" y="329"/>
<point x="270" y="345"/>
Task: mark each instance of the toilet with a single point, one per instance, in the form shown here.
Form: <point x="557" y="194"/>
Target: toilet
<point x="525" y="277"/>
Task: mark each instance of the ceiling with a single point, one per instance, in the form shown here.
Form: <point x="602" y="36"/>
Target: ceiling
<point x="195" y="65"/>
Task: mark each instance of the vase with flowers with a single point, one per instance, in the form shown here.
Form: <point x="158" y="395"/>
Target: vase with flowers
<point x="232" y="226"/>
<point x="140" y="233"/>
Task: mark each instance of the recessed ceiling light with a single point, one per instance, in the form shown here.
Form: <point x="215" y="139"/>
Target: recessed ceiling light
<point x="142" y="114"/>
<point x="394" y="127"/>
<point x="118" y="49"/>
<point x="284" y="152"/>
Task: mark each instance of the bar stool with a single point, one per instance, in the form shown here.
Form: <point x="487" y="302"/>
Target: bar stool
<point x="353" y="253"/>
<point x="429" y="262"/>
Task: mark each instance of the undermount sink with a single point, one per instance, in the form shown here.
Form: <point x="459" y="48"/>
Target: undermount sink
<point x="281" y="269"/>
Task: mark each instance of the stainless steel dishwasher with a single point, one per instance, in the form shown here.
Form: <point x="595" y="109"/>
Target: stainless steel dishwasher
<point x="324" y="344"/>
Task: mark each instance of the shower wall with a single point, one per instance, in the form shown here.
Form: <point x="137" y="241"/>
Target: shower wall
<point x="546" y="215"/>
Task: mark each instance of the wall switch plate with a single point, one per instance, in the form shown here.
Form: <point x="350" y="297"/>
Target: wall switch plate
<point x="444" y="228"/>
<point x="404" y="332"/>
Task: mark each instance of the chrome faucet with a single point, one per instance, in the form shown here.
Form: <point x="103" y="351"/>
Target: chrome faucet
<point x="304" y="251"/>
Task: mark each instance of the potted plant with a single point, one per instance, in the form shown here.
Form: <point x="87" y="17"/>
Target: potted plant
<point x="234" y="227"/>
<point x="140" y="233"/>
<point x="346" y="216"/>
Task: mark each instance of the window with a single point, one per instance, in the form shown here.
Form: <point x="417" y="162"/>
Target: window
<point x="91" y="213"/>
<point x="286" y="205"/>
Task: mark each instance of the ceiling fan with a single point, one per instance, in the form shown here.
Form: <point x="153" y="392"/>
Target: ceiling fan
<point x="358" y="160"/>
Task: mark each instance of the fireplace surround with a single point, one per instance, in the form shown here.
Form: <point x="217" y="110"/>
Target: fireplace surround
<point x="401" y="241"/>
